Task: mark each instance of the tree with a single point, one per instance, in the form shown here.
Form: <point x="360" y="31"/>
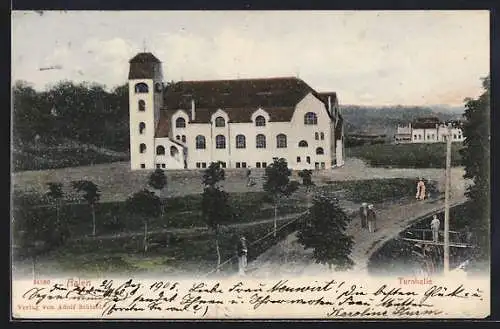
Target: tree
<point x="306" y="176"/>
<point x="277" y="184"/>
<point x="144" y="203"/>
<point x="476" y="159"/>
<point x="215" y="206"/>
<point x="325" y="233"/>
<point x="91" y="195"/>
<point x="158" y="181"/>
<point x="55" y="195"/>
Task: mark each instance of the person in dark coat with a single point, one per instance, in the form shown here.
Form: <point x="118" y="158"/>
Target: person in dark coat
<point x="363" y="213"/>
<point x="242" y="255"/>
<point x="372" y="219"/>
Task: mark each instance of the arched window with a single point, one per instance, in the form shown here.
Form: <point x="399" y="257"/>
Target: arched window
<point x="142" y="148"/>
<point x="160" y="150"/>
<point x="310" y="118"/>
<point x="141" y="88"/>
<point x="220" y="122"/>
<point x="316" y="136"/>
<point x="180" y="123"/>
<point x="241" y="142"/>
<point x="142" y="127"/>
<point x="281" y="141"/>
<point x="183" y="138"/>
<point x="303" y="144"/>
<point x="200" y="142"/>
<point x="322" y="135"/>
<point x="260" y="141"/>
<point x="142" y="105"/>
<point x="174" y="151"/>
<point x="260" y="121"/>
<point x="320" y="151"/>
<point x="220" y="142"/>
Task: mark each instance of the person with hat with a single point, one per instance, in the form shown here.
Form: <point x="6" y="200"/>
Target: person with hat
<point x="363" y="213"/>
<point x="242" y="255"/>
<point x="371" y="218"/>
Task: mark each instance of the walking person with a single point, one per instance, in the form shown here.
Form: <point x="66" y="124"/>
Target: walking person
<point x="363" y="214"/>
<point x="242" y="255"/>
<point x="372" y="219"/>
<point x="435" y="228"/>
<point x="249" y="177"/>
<point x="420" y="189"/>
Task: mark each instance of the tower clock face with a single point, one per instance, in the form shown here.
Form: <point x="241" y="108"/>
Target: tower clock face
<point x="158" y="87"/>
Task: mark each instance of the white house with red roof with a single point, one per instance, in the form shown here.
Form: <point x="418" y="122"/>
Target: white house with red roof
<point x="242" y="122"/>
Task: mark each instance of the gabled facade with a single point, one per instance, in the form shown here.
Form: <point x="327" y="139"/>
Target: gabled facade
<point x="243" y="122"/>
<point x="429" y="130"/>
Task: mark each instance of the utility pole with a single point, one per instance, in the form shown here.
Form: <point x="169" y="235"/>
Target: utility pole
<point x="446" y="255"/>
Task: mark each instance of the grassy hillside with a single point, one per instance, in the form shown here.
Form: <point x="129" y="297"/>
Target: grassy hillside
<point x="406" y="155"/>
<point x="61" y="153"/>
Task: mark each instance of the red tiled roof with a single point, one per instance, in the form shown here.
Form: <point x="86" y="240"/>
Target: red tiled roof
<point x="240" y="98"/>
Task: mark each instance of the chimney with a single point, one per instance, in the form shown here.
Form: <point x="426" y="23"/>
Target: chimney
<point x="193" y="110"/>
<point x="330" y="105"/>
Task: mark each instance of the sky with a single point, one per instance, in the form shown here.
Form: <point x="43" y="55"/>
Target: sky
<point x="368" y="57"/>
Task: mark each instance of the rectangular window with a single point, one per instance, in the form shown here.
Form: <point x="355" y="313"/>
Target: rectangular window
<point x="316" y="165"/>
<point x="158" y="166"/>
<point x="298" y="159"/>
<point x="223" y="165"/>
<point x="243" y="165"/>
<point x="257" y="164"/>
<point x="198" y="165"/>
<point x="238" y="165"/>
<point x="264" y="164"/>
<point x="308" y="160"/>
<point x="143" y="165"/>
<point x="163" y="165"/>
<point x="275" y="159"/>
<point x="203" y="164"/>
<point x="322" y="165"/>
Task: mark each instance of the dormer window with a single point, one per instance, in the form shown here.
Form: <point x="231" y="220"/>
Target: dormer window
<point x="220" y="122"/>
<point x="141" y="88"/>
<point x="180" y="123"/>
<point x="260" y="121"/>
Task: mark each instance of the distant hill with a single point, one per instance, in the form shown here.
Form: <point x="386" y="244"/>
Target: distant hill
<point x="384" y="120"/>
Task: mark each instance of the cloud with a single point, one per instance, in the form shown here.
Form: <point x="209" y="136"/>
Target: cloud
<point x="367" y="57"/>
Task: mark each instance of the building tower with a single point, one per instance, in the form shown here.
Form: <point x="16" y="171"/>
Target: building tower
<point x="145" y="81"/>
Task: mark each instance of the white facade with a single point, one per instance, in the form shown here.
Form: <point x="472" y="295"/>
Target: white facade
<point x="235" y="144"/>
<point x="408" y="134"/>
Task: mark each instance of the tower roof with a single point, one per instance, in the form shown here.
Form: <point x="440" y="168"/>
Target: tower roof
<point x="144" y="58"/>
<point x="142" y="66"/>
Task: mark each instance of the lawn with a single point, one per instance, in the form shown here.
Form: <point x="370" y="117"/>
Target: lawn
<point x="167" y="252"/>
<point x="180" y="212"/>
<point x="51" y="159"/>
<point x="379" y="190"/>
<point x="406" y="155"/>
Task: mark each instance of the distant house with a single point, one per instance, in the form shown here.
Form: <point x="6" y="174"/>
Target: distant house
<point x="428" y="130"/>
<point x="242" y="122"/>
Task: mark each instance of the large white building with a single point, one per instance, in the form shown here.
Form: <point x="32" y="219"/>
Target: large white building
<point x="429" y="130"/>
<point x="242" y="123"/>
